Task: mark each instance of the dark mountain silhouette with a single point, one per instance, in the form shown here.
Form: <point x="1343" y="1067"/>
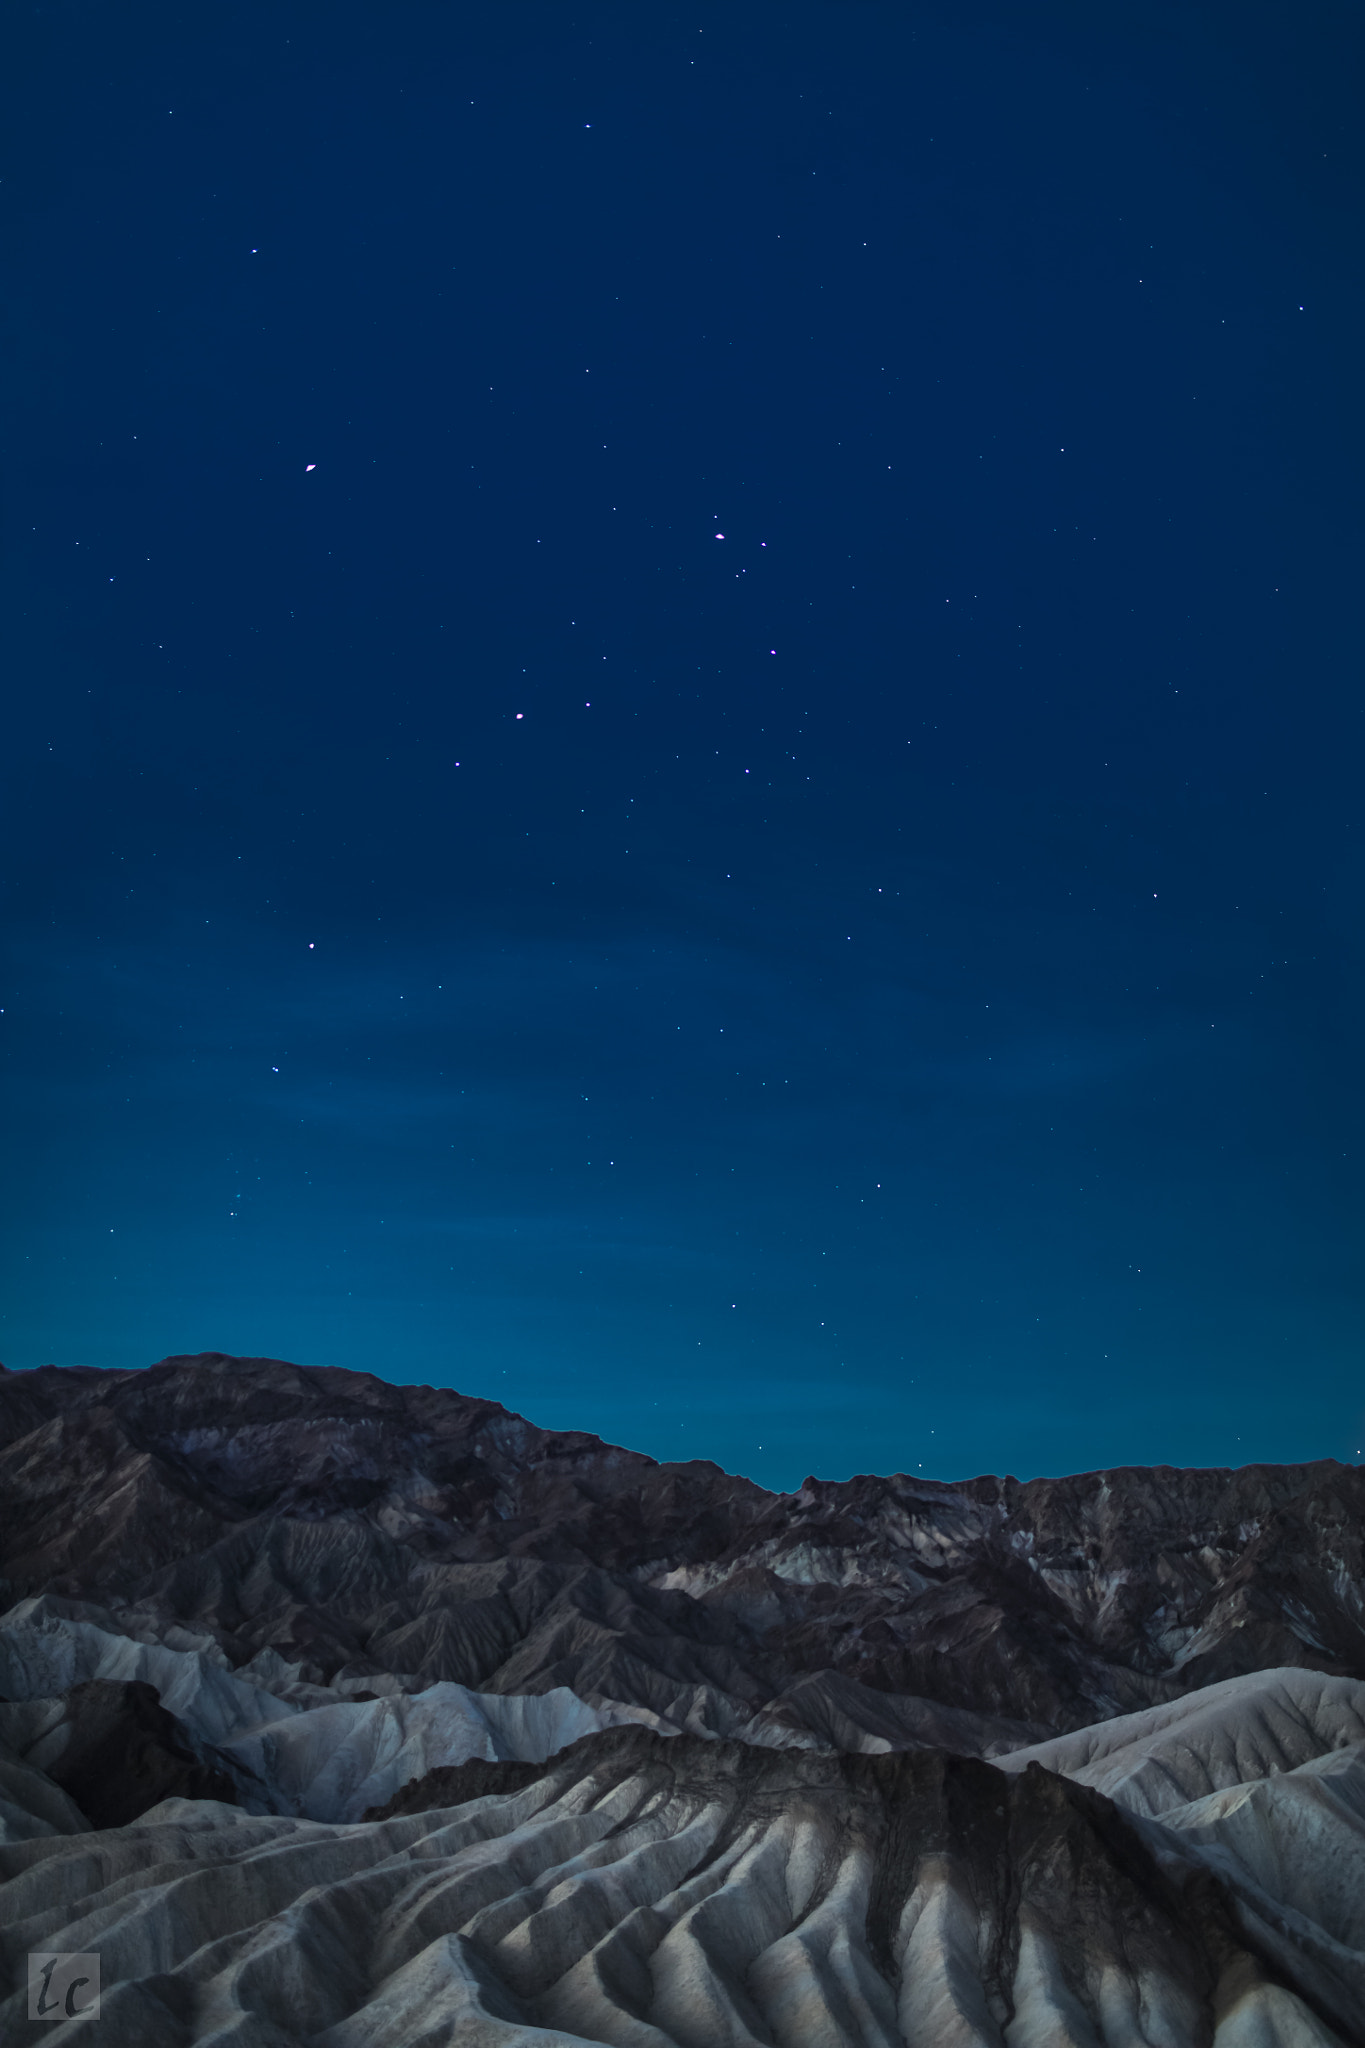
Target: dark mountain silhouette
<point x="359" y="1528"/>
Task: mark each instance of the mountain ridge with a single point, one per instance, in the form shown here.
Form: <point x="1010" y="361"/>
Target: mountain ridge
<point x="355" y="1526"/>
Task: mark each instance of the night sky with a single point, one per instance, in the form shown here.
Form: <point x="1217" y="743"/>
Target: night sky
<point x="683" y="716"/>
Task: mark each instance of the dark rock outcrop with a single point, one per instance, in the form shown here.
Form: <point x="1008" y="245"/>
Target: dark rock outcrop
<point x="456" y="1784"/>
<point x="117" y="1752"/>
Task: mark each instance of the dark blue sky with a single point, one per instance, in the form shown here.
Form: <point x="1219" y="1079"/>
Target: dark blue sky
<point x="880" y="989"/>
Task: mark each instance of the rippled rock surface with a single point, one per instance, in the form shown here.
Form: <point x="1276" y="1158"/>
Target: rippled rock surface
<point x="674" y="1894"/>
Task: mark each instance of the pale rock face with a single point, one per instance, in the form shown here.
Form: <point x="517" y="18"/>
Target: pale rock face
<point x="1290" y="1849"/>
<point x="306" y="1750"/>
<point x="44" y="1652"/>
<point x="1296" y="1842"/>
<point x="334" y="1762"/>
<point x="1226" y="1735"/>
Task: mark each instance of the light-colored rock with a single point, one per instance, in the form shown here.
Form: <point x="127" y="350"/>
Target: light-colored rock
<point x="1291" y="1850"/>
<point x="43" y="1653"/>
<point x="1234" y="1733"/>
<point x="314" y="1752"/>
<point x="333" y="1762"/>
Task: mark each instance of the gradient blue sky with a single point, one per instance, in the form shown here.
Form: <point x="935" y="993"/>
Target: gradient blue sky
<point x="878" y="990"/>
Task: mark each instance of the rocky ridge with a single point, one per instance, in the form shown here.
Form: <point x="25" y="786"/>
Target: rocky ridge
<point x="687" y="1893"/>
<point x="363" y="1532"/>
